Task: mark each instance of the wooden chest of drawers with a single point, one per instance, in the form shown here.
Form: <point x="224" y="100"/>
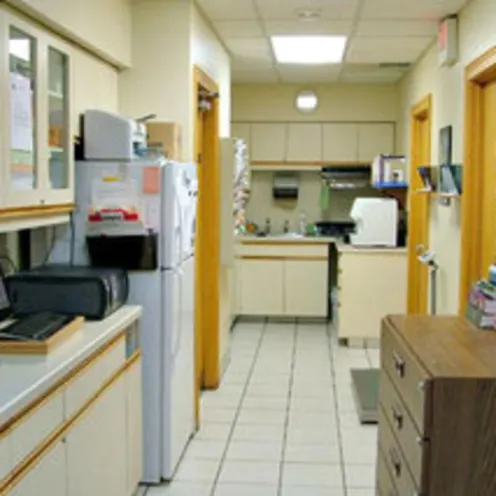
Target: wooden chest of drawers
<point x="437" y="412"/>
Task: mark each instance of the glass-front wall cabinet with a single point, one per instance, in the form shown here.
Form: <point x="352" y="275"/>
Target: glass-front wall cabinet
<point x="37" y="167"/>
<point x="23" y="115"/>
<point x="58" y="116"/>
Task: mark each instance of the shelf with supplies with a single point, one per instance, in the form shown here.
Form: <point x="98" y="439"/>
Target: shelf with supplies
<point x="442" y="182"/>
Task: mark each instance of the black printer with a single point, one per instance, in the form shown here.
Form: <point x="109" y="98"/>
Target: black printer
<point x="93" y="293"/>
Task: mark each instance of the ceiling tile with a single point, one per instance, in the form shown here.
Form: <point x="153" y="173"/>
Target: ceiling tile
<point x="372" y="73"/>
<point x="412" y="9"/>
<point x="250" y="48"/>
<point x="369" y="50"/>
<point x="396" y="28"/>
<point x="238" y="29"/>
<point x="228" y="9"/>
<point x="246" y="64"/>
<point x="255" y="76"/>
<point x="286" y="9"/>
<point x="320" y="27"/>
<point x="309" y="74"/>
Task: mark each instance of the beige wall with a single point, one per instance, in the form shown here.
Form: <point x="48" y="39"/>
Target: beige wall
<point x="477" y="34"/>
<point x="262" y="205"/>
<point x="169" y="37"/>
<point x="337" y="102"/>
<point x="209" y="54"/>
<point x="103" y="26"/>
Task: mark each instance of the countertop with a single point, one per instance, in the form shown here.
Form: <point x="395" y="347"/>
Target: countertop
<point x="24" y="378"/>
<point x="343" y="248"/>
<point x="260" y="240"/>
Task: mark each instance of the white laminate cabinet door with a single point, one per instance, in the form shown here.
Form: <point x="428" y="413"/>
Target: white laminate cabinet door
<point x="242" y="130"/>
<point x="6" y="464"/>
<point x="262" y="287"/>
<point x="371" y="287"/>
<point x="306" y="288"/>
<point x="304" y="142"/>
<point x="35" y="427"/>
<point x="47" y="477"/>
<point x="268" y="142"/>
<point x="96" y="446"/>
<point x="340" y="142"/>
<point x="374" y="139"/>
<point x="134" y="427"/>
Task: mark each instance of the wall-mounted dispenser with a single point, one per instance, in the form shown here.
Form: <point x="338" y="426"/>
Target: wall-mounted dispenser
<point x="286" y="186"/>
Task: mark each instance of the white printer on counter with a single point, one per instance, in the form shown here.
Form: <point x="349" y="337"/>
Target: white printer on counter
<point x="376" y="222"/>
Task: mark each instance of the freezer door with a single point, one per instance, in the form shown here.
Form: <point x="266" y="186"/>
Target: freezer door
<point x="189" y="195"/>
<point x="178" y="371"/>
<point x="171" y="234"/>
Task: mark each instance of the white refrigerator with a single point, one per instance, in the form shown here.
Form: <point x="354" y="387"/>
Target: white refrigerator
<point x="167" y="196"/>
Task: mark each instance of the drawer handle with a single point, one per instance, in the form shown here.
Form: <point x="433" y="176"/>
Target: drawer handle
<point x="395" y="462"/>
<point x="399" y="364"/>
<point x="398" y="418"/>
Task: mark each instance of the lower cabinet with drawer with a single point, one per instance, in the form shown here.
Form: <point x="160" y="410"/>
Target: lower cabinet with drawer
<point x="85" y="437"/>
<point x="437" y="408"/>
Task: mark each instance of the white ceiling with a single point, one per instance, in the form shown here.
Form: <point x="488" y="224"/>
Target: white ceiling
<point x="379" y="32"/>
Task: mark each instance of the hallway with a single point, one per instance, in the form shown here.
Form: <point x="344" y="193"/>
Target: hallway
<point x="283" y="423"/>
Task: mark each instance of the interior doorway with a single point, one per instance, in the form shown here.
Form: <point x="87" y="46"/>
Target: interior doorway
<point x="206" y="139"/>
<point x="479" y="174"/>
<point x="419" y="205"/>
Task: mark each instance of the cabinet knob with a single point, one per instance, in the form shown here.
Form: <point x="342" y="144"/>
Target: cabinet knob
<point x="398" y="418"/>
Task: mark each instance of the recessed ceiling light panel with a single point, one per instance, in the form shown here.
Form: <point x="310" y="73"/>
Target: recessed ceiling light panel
<point x="312" y="50"/>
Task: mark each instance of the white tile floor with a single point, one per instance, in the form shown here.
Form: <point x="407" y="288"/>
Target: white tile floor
<point x="283" y="422"/>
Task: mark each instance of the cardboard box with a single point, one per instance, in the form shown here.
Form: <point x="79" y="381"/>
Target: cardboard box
<point x="166" y="137"/>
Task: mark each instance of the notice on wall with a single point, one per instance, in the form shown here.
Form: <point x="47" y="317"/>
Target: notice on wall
<point x="21" y="113"/>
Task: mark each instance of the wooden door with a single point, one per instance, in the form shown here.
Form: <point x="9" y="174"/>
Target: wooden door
<point x="488" y="184"/>
<point x="419" y="207"/>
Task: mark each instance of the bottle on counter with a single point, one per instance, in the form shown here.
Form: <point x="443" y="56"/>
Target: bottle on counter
<point x="492" y="273"/>
<point x="303" y="223"/>
<point x="267" y="226"/>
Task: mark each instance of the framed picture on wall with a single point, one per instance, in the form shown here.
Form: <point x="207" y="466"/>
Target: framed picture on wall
<point x="446" y="145"/>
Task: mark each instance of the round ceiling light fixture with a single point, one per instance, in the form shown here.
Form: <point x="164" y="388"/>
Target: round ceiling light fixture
<point x="307" y="101"/>
<point x="307" y="14"/>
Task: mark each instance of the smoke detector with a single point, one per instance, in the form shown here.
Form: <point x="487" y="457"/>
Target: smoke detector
<point x="307" y="14"/>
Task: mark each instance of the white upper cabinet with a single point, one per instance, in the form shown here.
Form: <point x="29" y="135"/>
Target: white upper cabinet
<point x="268" y="142"/>
<point x="374" y="139"/>
<point x="304" y="143"/>
<point x="340" y="142"/>
<point x="37" y="166"/>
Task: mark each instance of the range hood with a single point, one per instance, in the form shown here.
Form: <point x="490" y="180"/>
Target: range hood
<point x="345" y="178"/>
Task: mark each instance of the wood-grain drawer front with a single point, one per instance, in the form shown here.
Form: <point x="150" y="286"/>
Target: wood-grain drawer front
<point x="36" y="426"/>
<point x="395" y="461"/>
<point x="407" y="435"/>
<point x="91" y="379"/>
<point x="410" y="379"/>
<point x="385" y="484"/>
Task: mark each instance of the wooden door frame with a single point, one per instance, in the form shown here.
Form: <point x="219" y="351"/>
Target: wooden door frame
<point x="207" y="368"/>
<point x="419" y="113"/>
<point x="478" y="73"/>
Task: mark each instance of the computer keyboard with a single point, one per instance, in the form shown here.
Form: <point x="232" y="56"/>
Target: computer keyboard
<point x="36" y="327"/>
